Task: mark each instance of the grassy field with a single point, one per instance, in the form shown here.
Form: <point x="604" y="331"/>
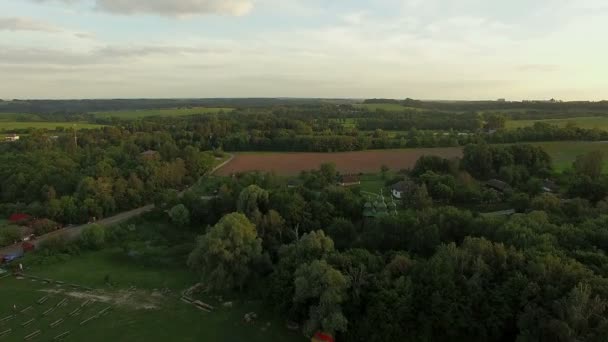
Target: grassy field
<point x="600" y="122"/>
<point x="564" y="153"/>
<point x="137" y="114"/>
<point x="140" y="310"/>
<point x="14" y="125"/>
<point x="390" y="107"/>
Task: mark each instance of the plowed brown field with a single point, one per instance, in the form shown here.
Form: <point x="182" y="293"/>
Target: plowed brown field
<point x="346" y="162"/>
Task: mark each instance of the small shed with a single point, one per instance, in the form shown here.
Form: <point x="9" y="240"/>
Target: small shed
<point x="350" y="180"/>
<point x="498" y="185"/>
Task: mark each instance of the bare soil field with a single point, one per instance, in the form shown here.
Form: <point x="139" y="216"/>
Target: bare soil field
<point x="346" y="162"/>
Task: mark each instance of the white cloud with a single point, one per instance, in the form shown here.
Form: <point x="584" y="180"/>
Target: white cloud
<point x="26" y="24"/>
<point x="168" y="8"/>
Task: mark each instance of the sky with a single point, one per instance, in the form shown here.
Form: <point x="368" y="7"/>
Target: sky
<point x="424" y="49"/>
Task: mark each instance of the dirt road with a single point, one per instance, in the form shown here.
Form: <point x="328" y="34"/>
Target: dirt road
<point x="74" y="232"/>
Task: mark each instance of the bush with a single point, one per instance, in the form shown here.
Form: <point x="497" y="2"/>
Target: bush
<point x="93" y="238"/>
<point x="9" y="234"/>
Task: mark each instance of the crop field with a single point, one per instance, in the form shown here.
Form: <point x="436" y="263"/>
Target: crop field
<point x="136" y="306"/>
<point x="564" y="153"/>
<point x="136" y="114"/>
<point x="346" y="162"/>
<point x="17" y="125"/>
<point x="599" y="122"/>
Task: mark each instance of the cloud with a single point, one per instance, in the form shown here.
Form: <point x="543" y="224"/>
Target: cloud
<point x="168" y="8"/>
<point x="26" y="24"/>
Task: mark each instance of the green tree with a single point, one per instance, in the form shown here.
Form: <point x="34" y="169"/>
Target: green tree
<point x="421" y="198"/>
<point x="253" y="202"/>
<point x="180" y="215"/>
<point x="93" y="237"/>
<point x="590" y="164"/>
<point x="224" y="255"/>
<point x="324" y="288"/>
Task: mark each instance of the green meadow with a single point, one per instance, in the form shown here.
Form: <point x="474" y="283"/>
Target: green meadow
<point x="52" y="126"/>
<point x="599" y="122"/>
<point x="137" y="114"/>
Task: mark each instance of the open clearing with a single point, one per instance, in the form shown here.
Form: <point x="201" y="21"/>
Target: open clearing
<point x="136" y="114"/>
<point x="599" y="122"/>
<point x="16" y="125"/>
<point x="346" y="162"/>
<point x="140" y="300"/>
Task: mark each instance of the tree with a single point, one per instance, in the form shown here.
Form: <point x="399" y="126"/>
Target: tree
<point x="224" y="255"/>
<point x="93" y="237"/>
<point x="383" y="171"/>
<point x="343" y="232"/>
<point x="421" y="198"/>
<point x="180" y="215"/>
<point x="325" y="287"/>
<point x="590" y="164"/>
<point x="253" y="202"/>
<point x="9" y="234"/>
<point x="495" y="121"/>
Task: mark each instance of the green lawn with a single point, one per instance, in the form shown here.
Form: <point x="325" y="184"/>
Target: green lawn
<point x="137" y="114"/>
<point x="14" y="125"/>
<point x="600" y="122"/>
<point x="373" y="183"/>
<point x="564" y="153"/>
<point x="139" y="314"/>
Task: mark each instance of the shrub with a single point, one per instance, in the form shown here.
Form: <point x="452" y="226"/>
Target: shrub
<point x="93" y="237"/>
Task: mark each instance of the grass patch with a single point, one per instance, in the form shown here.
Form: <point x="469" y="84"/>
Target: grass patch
<point x="169" y="320"/>
<point x="137" y="114"/>
<point x="52" y="126"/>
<point x="599" y="122"/>
<point x="563" y="153"/>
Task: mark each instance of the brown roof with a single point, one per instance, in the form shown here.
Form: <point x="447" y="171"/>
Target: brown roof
<point x="403" y="186"/>
<point x="149" y="153"/>
<point x="351" y="179"/>
<point x="498" y="185"/>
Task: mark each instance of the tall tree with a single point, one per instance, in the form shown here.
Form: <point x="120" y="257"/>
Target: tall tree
<point x="224" y="255"/>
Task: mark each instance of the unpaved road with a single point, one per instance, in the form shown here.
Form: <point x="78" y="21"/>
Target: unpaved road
<point x="74" y="232"/>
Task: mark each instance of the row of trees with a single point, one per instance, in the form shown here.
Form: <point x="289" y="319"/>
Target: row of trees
<point x="105" y="171"/>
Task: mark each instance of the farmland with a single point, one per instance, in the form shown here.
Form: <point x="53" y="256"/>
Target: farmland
<point x="137" y="114"/>
<point x="599" y="122"/>
<point x="139" y="298"/>
<point x="346" y="162"/>
<point x="20" y="125"/>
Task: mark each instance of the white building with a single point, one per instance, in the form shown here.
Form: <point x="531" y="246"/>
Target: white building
<point x="11" y="138"/>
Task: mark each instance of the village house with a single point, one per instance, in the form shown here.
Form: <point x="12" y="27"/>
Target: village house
<point x="350" y="180"/>
<point x="11" y="138"/>
<point x="400" y="189"/>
